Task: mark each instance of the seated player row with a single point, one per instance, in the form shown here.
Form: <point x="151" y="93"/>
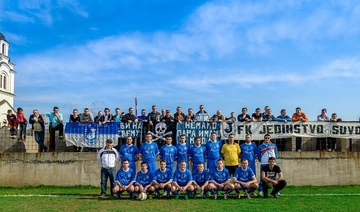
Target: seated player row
<point x="183" y="181"/>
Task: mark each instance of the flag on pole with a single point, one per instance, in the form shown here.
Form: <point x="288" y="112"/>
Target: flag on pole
<point x="136" y="106"/>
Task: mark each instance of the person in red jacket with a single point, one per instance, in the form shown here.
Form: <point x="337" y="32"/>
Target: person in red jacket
<point x="12" y="121"/>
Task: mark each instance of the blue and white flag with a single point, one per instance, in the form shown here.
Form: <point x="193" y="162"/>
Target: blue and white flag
<point x="91" y="134"/>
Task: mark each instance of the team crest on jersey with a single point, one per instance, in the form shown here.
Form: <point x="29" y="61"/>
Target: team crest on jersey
<point x="227" y="128"/>
<point x="90" y="135"/>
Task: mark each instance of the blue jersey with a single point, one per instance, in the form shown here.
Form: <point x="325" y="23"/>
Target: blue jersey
<point x="168" y="153"/>
<point x="182" y="178"/>
<point x="213" y="150"/>
<point x="183" y="152"/>
<point x="244" y="175"/>
<point x="125" y="177"/>
<point x="197" y="154"/>
<point x="266" y="150"/>
<point x="220" y="176"/>
<point x="128" y="152"/>
<point x="200" y="178"/>
<point x="149" y="151"/>
<point x="163" y="177"/>
<point x="248" y="151"/>
<point x="144" y="179"/>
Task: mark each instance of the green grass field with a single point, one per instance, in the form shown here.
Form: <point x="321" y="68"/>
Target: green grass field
<point x="85" y="198"/>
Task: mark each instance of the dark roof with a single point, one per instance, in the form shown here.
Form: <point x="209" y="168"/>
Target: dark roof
<point x="2" y="37"/>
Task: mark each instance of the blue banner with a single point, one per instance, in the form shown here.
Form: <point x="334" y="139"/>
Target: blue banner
<point x="90" y="134"/>
<point x="193" y="129"/>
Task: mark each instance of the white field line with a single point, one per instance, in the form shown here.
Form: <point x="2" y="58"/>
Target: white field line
<point x="75" y="195"/>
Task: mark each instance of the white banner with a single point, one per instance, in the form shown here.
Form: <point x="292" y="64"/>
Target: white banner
<point x="290" y="129"/>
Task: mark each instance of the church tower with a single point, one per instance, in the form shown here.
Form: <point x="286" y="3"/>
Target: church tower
<point x="7" y="79"/>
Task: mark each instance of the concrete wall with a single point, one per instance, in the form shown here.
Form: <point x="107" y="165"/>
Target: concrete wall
<point x="66" y="169"/>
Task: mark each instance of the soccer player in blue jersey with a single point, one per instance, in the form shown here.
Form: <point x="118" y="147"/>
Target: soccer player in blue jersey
<point x="200" y="179"/>
<point x="163" y="178"/>
<point x="220" y="180"/>
<point x="144" y="179"/>
<point x="197" y="153"/>
<point x="266" y="150"/>
<point x="168" y="152"/>
<point x="213" y="148"/>
<point x="130" y="152"/>
<point x="149" y="151"/>
<point x="249" y="152"/>
<point x="182" y="181"/>
<point x="183" y="151"/>
<point x="244" y="179"/>
<point x="125" y="178"/>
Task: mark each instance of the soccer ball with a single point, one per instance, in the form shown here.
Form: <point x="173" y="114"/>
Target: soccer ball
<point x="142" y="196"/>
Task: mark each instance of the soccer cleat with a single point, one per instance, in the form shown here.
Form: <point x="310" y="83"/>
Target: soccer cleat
<point x="266" y="195"/>
<point x="165" y="194"/>
<point x="248" y="195"/>
<point x="261" y="193"/>
<point x="214" y="196"/>
<point x="237" y="196"/>
<point x="226" y="196"/>
<point x="275" y="194"/>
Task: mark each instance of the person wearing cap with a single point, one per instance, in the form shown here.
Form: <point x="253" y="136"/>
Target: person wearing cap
<point x="108" y="157"/>
<point x="271" y="176"/>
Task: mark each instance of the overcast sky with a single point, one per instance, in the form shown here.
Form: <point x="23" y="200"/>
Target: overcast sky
<point x="223" y="54"/>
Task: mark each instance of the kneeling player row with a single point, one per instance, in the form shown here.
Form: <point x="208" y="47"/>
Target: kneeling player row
<point x="182" y="180"/>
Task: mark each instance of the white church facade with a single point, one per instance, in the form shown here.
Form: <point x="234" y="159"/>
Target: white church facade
<point x="7" y="80"/>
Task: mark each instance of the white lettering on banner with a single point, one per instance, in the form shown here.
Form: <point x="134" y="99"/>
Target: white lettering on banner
<point x="130" y="129"/>
<point x="193" y="129"/>
<point x="291" y="129"/>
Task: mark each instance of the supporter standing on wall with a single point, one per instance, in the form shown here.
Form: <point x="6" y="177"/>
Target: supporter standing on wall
<point x="55" y="119"/>
<point x="12" y="121"/>
<point x="38" y="126"/>
<point x="299" y="116"/>
<point x="22" y="122"/>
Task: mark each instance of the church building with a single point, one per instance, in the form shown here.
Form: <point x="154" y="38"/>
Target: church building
<point x="7" y="79"/>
